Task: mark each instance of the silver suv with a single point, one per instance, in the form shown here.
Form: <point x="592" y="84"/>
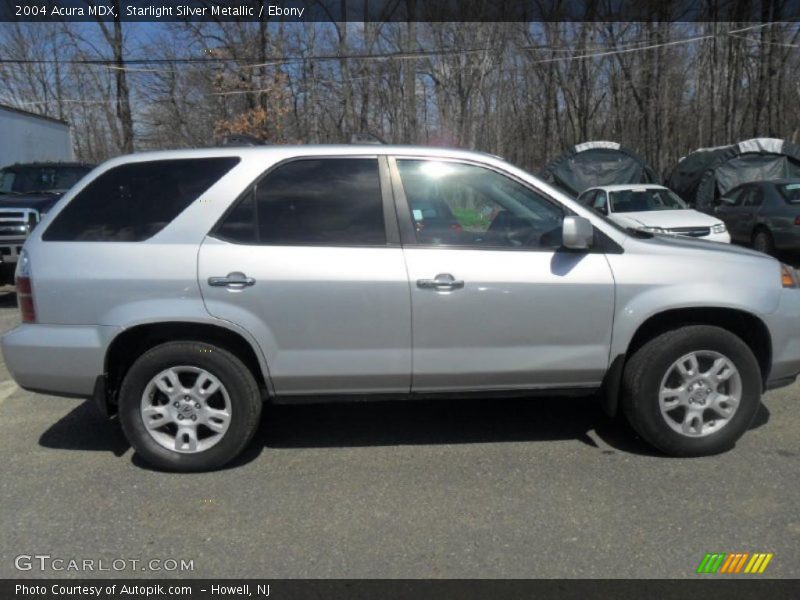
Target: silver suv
<point x="182" y="289"/>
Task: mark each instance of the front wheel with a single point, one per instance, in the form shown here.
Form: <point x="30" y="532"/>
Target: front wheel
<point x="189" y="406"/>
<point x="692" y="391"/>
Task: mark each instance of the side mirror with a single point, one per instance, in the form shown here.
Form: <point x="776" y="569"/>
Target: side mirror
<point x="603" y="210"/>
<point x="577" y="233"/>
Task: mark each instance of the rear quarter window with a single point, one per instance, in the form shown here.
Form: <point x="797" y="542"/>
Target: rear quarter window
<point x="133" y="202"/>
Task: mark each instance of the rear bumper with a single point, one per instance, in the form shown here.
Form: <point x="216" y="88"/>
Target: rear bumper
<point x="57" y="359"/>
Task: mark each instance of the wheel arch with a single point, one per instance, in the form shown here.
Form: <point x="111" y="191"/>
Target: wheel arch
<point x="760" y="226"/>
<point x="132" y="342"/>
<point x="747" y="326"/>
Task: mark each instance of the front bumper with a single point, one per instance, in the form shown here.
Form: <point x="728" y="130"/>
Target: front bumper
<point x="723" y="237"/>
<point x="784" y="328"/>
<point x="10" y="249"/>
<point x="57" y="359"/>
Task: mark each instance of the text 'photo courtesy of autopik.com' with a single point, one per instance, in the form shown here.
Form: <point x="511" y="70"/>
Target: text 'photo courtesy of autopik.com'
<point x="400" y="299"/>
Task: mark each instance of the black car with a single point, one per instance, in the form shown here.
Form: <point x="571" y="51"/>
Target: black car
<point x="764" y="214"/>
<point x="27" y="192"/>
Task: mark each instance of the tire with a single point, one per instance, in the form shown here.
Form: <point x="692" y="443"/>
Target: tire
<point x="653" y="368"/>
<point x="763" y="241"/>
<point x="224" y="415"/>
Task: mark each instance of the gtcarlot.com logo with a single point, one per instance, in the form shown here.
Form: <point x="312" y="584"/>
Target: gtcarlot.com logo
<point x="46" y="562"/>
<point x="735" y="562"/>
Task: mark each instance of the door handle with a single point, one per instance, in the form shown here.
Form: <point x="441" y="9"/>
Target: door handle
<point x="234" y="280"/>
<point x="442" y="282"/>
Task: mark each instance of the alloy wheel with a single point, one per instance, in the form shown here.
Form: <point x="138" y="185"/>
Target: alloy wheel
<point x="700" y="393"/>
<point x="186" y="409"/>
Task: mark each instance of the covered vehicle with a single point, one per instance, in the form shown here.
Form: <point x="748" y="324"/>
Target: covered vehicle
<point x="598" y="163"/>
<point x="700" y="178"/>
<point x="653" y="208"/>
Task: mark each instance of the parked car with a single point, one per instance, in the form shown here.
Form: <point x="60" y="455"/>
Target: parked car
<point x="764" y="214"/>
<point x="182" y="289"/>
<point x="27" y="192"/>
<point x="653" y="208"/>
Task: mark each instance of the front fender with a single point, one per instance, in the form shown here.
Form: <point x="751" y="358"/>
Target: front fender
<point x="649" y="285"/>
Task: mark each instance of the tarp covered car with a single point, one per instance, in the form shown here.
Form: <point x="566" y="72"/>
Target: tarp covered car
<point x="595" y="164"/>
<point x="705" y="174"/>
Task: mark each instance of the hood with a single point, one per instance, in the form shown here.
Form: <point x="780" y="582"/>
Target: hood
<point x="680" y="242"/>
<point x="666" y="218"/>
<point x="40" y="202"/>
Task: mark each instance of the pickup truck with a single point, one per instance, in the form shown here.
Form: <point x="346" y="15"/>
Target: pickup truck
<point x="27" y="192"/>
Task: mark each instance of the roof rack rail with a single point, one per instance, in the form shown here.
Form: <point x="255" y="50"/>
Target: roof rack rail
<point x="242" y="139"/>
<point x="366" y="138"/>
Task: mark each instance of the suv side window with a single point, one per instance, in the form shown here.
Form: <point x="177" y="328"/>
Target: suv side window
<point x="311" y="202"/>
<point x="134" y="201"/>
<point x="459" y="204"/>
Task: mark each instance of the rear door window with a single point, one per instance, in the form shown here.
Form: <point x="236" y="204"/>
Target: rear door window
<point x="312" y="202"/>
<point x="790" y="192"/>
<point x="134" y="201"/>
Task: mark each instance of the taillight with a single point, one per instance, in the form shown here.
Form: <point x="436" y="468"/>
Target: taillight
<point x="797" y="220"/>
<point x="25" y="289"/>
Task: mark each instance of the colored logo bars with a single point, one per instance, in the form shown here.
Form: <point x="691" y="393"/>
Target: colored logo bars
<point x="737" y="562"/>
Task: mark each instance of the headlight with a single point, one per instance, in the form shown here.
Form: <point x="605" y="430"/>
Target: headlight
<point x="719" y="228"/>
<point x="789" y="277"/>
<point x="655" y="229"/>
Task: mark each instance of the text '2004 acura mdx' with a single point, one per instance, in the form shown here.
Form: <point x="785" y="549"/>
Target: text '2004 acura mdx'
<point x="182" y="289"/>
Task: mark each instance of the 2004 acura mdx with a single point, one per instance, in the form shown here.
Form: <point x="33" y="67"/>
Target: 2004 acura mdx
<point x="182" y="289"/>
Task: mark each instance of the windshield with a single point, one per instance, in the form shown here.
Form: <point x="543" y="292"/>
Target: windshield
<point x="643" y="199"/>
<point x="790" y="192"/>
<point x="33" y="179"/>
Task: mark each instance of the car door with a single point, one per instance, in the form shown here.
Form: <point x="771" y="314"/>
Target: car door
<point x="751" y="206"/>
<point x="309" y="262"/>
<point x="498" y="304"/>
<point x="729" y="210"/>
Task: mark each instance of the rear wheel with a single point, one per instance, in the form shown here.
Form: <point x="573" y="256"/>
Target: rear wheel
<point x="189" y="406"/>
<point x="763" y="242"/>
<point x="692" y="391"/>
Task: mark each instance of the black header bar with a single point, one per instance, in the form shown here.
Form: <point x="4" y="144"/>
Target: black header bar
<point x="746" y="11"/>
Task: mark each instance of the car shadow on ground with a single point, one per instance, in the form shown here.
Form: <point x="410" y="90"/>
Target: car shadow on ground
<point x="84" y="428"/>
<point x="396" y="423"/>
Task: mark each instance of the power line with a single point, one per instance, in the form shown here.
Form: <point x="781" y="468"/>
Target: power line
<point x="623" y="50"/>
<point x="374" y="56"/>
